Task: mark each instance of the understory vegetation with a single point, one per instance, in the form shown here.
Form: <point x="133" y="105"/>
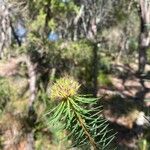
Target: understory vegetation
<point x="74" y="74"/>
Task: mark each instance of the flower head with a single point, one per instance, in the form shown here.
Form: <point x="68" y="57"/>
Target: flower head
<point x="63" y="88"/>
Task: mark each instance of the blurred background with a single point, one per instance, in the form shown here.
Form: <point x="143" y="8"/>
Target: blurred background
<point x="103" y="44"/>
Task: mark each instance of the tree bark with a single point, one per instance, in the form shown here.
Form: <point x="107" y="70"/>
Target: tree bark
<point x="95" y="69"/>
<point x="31" y="112"/>
<point x="9" y="69"/>
<point x="144" y="38"/>
<point x="5" y="28"/>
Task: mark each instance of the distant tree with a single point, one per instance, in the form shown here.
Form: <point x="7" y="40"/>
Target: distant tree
<point x="144" y="39"/>
<point x="5" y="27"/>
<point x="92" y="17"/>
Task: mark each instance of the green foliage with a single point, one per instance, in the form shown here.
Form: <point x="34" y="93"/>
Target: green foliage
<point x="5" y="93"/>
<point x="148" y="55"/>
<point x="12" y="98"/>
<point x="121" y="15"/>
<point x="39" y="22"/>
<point x="78" y="115"/>
<point x="133" y="44"/>
<point x="84" y="125"/>
<point x="144" y="144"/>
<point x="105" y="61"/>
<point x="77" y="51"/>
<point x="104" y="79"/>
<point x="50" y="13"/>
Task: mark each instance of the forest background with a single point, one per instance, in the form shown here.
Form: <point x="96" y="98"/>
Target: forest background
<point x="48" y="47"/>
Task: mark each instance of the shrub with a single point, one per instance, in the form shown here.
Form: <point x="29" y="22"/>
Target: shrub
<point x="85" y="126"/>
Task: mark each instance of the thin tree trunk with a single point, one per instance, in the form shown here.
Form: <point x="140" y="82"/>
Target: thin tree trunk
<point x="95" y="68"/>
<point x="5" y="28"/>
<point x="144" y="39"/>
<point x="30" y="141"/>
<point x="8" y="69"/>
<point x="31" y="111"/>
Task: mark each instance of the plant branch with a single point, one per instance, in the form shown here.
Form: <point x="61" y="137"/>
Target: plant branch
<point x="82" y="124"/>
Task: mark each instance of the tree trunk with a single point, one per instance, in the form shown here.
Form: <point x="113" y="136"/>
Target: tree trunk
<point x="25" y="142"/>
<point x="5" y="28"/>
<point x="95" y="69"/>
<point x="144" y="38"/>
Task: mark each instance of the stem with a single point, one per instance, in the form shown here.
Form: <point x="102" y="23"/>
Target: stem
<point x="82" y="124"/>
<point x="86" y="132"/>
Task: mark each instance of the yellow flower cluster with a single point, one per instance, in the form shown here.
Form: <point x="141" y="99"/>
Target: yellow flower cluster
<point x="63" y="88"/>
